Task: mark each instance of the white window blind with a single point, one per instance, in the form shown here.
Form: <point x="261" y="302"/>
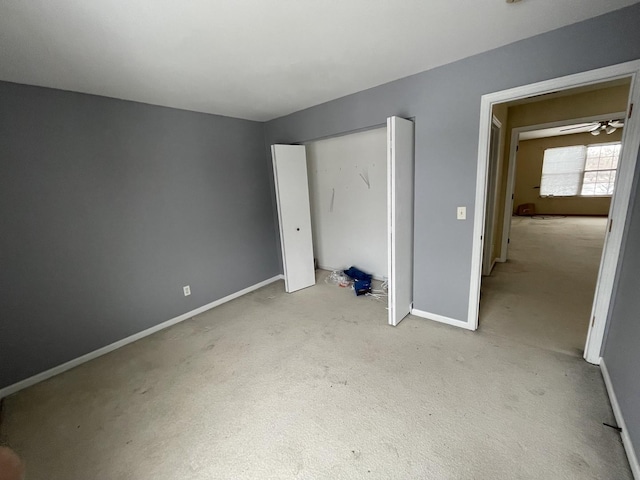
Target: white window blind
<point x="588" y="171"/>
<point x="562" y="170"/>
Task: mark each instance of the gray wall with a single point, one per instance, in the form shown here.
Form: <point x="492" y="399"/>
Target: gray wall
<point x="108" y="208"/>
<point x="446" y="105"/>
<point x="622" y="346"/>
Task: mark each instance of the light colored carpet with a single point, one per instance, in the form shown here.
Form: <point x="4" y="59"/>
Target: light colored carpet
<point x="543" y="295"/>
<point x="315" y="385"/>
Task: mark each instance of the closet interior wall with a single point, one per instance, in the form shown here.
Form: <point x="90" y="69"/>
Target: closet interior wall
<point x="348" y="195"/>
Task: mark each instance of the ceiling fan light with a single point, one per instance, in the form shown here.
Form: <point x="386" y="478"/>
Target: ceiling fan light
<point x="595" y="132"/>
<point x="610" y="129"/>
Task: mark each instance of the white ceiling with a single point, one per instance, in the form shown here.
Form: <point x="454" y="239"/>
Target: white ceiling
<point x="257" y="59"/>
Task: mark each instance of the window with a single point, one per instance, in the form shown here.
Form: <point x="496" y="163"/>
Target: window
<point x="600" y="169"/>
<point x="588" y="171"/>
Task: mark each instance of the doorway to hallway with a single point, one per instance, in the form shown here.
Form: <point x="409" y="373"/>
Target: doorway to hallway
<point x="543" y="295"/>
<point x="553" y="90"/>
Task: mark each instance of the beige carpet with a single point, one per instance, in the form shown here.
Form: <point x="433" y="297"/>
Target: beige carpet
<point x="315" y="385"/>
<point x="543" y="295"/>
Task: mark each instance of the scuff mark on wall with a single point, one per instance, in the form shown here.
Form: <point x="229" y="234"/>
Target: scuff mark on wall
<point x="365" y="178"/>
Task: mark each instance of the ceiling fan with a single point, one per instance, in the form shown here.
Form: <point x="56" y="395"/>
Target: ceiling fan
<point x="607" y="126"/>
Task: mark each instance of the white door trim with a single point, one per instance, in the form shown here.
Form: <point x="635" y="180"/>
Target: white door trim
<point x="511" y="168"/>
<point x="619" y="203"/>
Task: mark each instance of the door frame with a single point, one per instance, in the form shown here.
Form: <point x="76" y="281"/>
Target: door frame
<point x="619" y="202"/>
<point x="513" y="165"/>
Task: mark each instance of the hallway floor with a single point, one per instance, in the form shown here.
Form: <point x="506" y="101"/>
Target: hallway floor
<point x="315" y="385"/>
<point x="543" y="295"/>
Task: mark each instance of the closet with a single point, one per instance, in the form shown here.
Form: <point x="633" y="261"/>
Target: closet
<point x="349" y="201"/>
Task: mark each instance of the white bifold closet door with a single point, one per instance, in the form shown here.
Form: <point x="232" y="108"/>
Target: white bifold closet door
<point x="294" y="215"/>
<point x="400" y="178"/>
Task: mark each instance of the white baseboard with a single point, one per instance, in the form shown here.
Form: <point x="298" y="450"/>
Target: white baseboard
<point x="441" y="319"/>
<point x="125" y="341"/>
<point x="626" y="440"/>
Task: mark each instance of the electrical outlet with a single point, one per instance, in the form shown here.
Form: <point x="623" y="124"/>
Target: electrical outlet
<point x="187" y="290"/>
<point x="462" y="213"/>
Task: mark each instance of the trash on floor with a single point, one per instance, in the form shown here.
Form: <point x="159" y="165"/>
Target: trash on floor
<point x="381" y="294"/>
<point x="361" y="280"/>
<point x="338" y="278"/>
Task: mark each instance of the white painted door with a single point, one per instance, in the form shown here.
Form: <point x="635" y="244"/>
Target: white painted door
<point x="294" y="215"/>
<point x="490" y="215"/>
<point x="400" y="180"/>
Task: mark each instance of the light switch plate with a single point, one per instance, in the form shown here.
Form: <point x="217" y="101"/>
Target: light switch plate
<point x="462" y="213"/>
